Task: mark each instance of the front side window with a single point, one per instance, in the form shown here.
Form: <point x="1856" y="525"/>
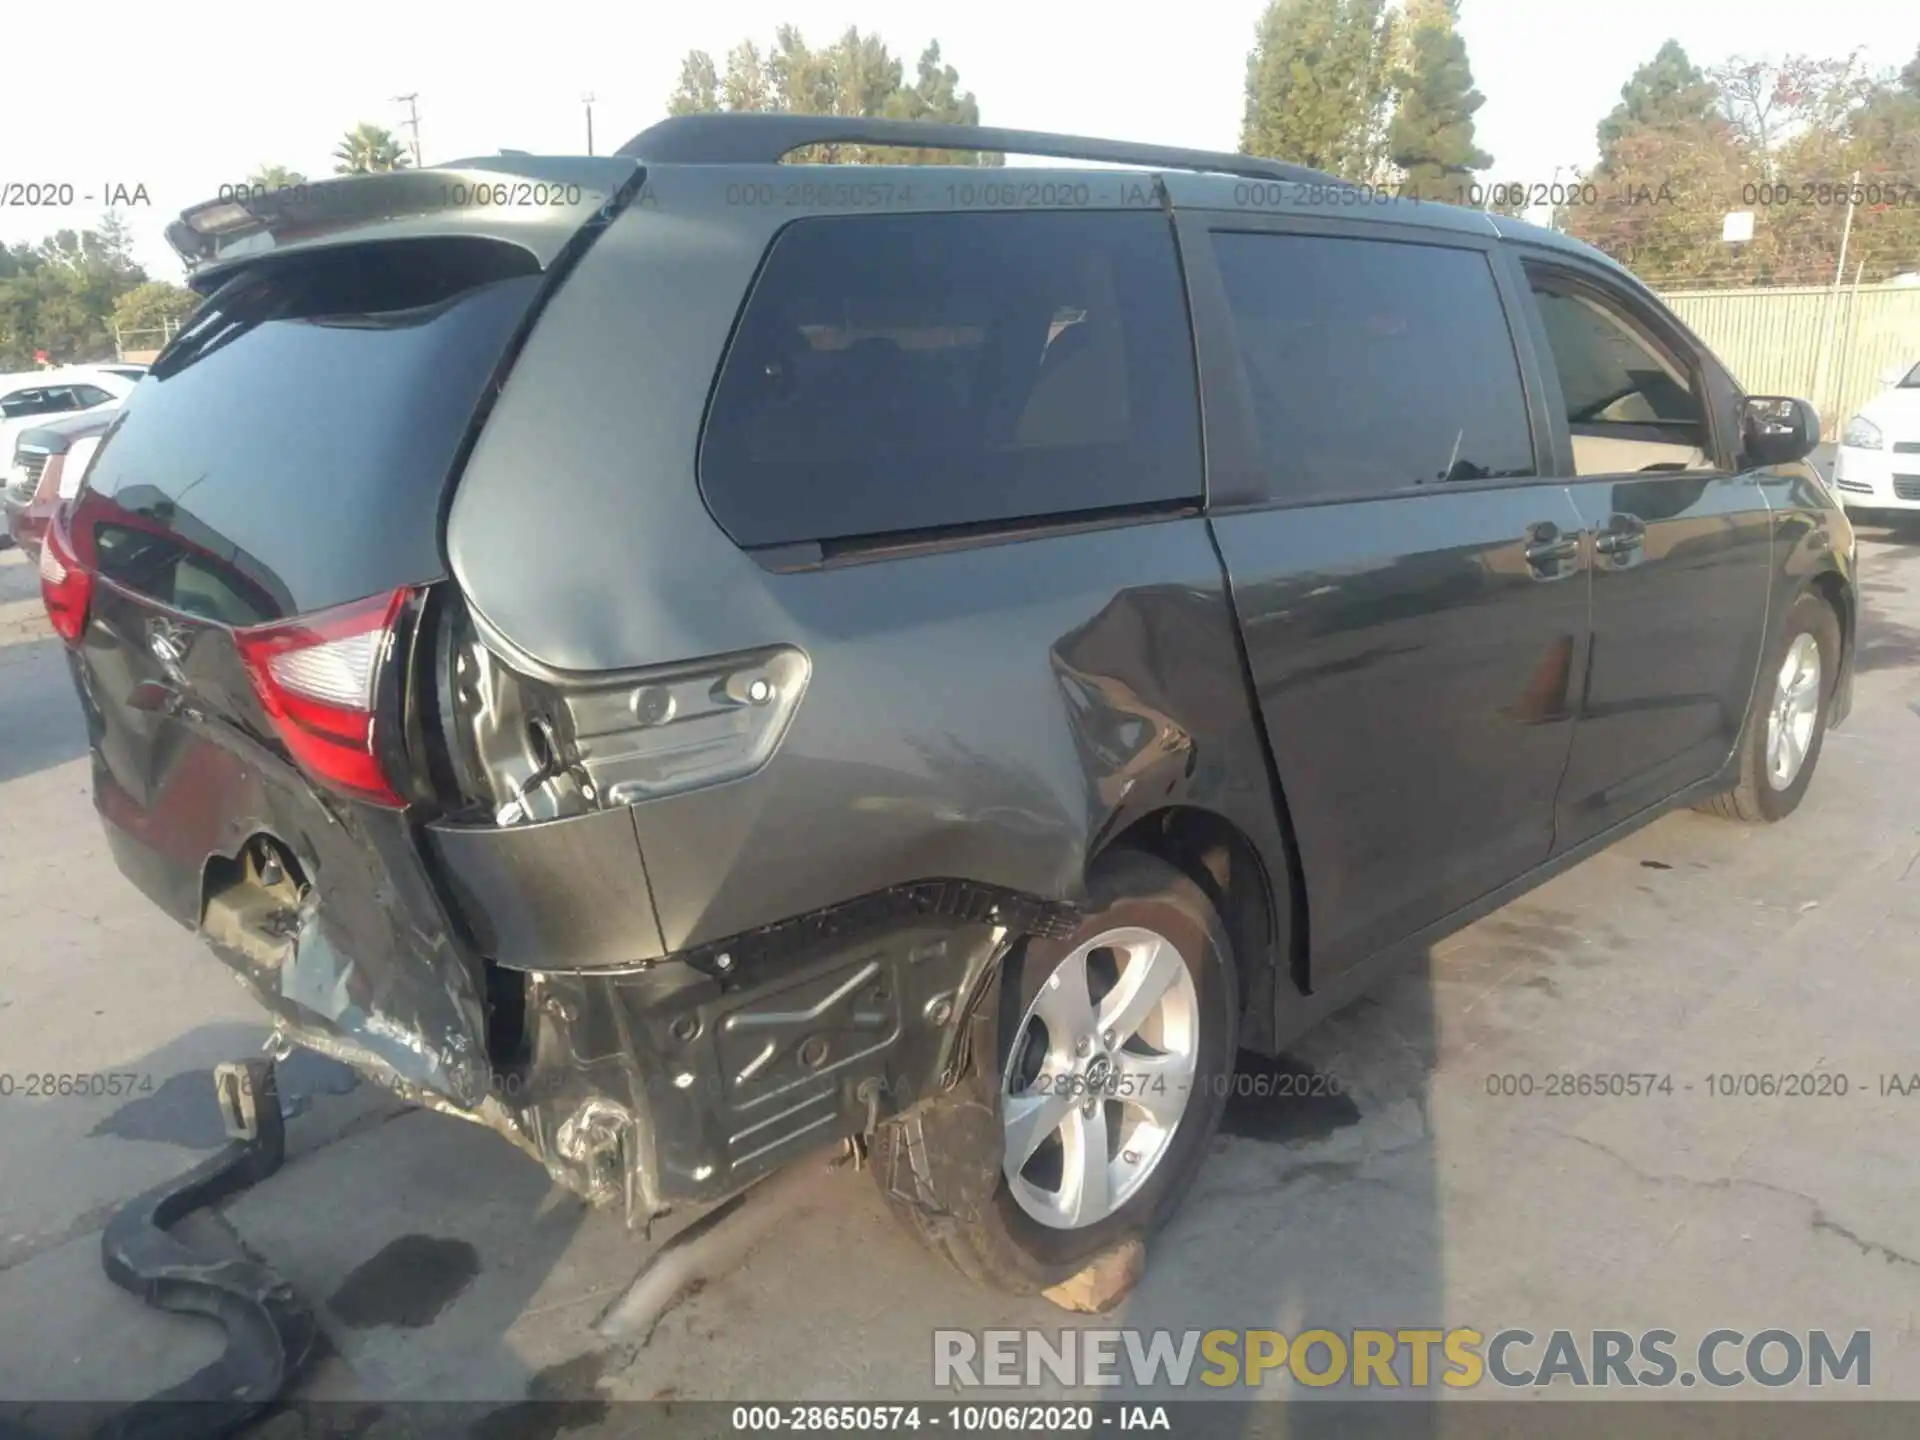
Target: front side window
<point x="1629" y="406"/>
<point x="1374" y="365"/>
<point x="903" y="373"/>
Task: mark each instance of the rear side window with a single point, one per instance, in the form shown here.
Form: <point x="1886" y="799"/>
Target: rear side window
<point x="1374" y="365"/>
<point x="301" y="430"/>
<point x="904" y="373"/>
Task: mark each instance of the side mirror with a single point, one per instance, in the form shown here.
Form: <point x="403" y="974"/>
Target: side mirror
<point x="1777" y="430"/>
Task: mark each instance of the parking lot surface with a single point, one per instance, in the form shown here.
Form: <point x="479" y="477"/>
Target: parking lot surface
<point x="444" y="1265"/>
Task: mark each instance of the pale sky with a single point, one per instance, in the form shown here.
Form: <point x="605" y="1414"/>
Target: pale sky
<point x="180" y="100"/>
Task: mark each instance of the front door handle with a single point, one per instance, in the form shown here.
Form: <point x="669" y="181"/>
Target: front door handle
<point x="1548" y="549"/>
<point x="1620" y="536"/>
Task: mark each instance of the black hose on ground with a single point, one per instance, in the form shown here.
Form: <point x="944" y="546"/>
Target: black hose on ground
<point x="271" y="1331"/>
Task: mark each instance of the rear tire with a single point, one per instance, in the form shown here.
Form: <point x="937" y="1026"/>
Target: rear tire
<point x="1026" y="1228"/>
<point x="1770" y="788"/>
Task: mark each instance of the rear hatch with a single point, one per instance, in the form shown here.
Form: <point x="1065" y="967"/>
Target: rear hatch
<point x="243" y="574"/>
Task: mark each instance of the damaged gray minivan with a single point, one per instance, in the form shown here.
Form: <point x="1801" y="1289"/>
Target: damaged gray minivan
<point x="687" y="659"/>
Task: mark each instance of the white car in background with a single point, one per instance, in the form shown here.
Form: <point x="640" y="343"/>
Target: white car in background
<point x="33" y="397"/>
<point x="1877" y="470"/>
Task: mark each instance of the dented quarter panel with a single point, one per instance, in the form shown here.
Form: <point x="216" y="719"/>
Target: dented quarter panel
<point x="1085" y="704"/>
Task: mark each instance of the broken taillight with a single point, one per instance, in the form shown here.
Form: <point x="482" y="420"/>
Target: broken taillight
<point x="317" y="678"/>
<point x="65" y="585"/>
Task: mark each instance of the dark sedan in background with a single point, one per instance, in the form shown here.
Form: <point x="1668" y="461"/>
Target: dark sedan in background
<point x="45" y="469"/>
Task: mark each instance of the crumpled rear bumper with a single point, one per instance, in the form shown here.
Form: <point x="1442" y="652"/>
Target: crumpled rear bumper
<point x="681" y="1080"/>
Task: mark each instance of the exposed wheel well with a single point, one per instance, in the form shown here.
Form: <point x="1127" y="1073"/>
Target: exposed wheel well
<point x="1223" y="862"/>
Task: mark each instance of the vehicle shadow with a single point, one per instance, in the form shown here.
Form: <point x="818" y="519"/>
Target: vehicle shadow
<point x="39" y="713"/>
<point x="1316" y="1211"/>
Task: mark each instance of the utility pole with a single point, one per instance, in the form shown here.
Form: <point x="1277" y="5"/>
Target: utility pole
<point x="587" y="100"/>
<point x="412" y="102"/>
<point x="1833" y="298"/>
<point x="1846" y="232"/>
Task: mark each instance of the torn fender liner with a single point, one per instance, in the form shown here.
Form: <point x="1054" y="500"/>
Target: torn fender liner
<point x="270" y="1330"/>
<point x="945" y="1160"/>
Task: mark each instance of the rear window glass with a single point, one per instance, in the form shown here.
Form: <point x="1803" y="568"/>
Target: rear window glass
<point x="908" y="372"/>
<point x="302" y="429"/>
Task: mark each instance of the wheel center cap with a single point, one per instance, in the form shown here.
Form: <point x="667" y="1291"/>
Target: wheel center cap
<point x="1099" y="1070"/>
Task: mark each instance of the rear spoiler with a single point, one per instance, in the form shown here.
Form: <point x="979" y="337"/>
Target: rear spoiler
<point x="538" y="203"/>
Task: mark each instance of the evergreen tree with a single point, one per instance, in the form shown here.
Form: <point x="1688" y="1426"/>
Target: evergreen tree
<point x="1318" y="84"/>
<point x="1668" y="92"/>
<point x="1431" y="136"/>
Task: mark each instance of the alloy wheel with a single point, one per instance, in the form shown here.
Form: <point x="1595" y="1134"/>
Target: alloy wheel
<point x="1794" y="712"/>
<point x="1099" y="1076"/>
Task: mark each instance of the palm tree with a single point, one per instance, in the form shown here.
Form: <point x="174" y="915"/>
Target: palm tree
<point x="367" y="148"/>
<point x="275" y="177"/>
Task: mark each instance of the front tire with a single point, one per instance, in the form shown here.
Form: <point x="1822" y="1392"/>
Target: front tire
<point x="1788" y="721"/>
<point x="1114" y="1052"/>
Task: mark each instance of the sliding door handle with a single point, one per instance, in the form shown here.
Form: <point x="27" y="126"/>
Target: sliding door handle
<point x="1549" y="550"/>
<point x="1621" y="535"/>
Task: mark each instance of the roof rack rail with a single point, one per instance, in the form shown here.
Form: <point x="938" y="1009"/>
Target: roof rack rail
<point x="762" y="139"/>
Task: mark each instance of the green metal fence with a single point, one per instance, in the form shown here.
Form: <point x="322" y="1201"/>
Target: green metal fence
<point x="1823" y="344"/>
